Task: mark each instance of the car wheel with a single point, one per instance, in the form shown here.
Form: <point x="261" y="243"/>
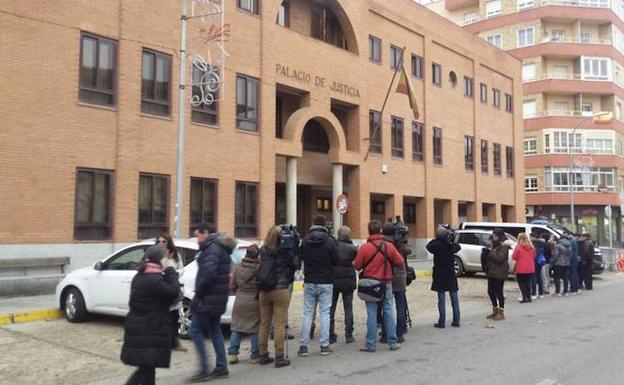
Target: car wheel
<point x="74" y="306"/>
<point x="184" y="323"/>
<point x="458" y="266"/>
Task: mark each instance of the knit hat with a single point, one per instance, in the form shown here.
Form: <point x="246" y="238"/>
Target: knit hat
<point x="154" y="254"/>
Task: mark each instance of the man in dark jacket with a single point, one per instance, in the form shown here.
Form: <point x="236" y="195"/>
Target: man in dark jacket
<point x="443" y="249"/>
<point x="211" y="297"/>
<point x="344" y="283"/>
<point x="320" y="255"/>
<point x="586" y="251"/>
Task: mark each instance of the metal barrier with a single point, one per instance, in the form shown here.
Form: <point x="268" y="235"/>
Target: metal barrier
<point x="613" y="258"/>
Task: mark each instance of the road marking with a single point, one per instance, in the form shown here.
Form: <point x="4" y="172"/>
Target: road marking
<point x="37" y="315"/>
<point x="548" y="382"/>
<point x="6" y="319"/>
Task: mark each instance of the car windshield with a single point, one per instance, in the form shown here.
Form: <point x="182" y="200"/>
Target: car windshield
<point x="511" y="238"/>
<point x="558" y="228"/>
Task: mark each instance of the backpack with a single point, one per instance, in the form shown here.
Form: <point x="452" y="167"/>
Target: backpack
<point x="266" y="275"/>
<point x="289" y="238"/>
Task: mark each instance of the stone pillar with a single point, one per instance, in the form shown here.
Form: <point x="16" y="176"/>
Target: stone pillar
<point x="337" y="189"/>
<point x="291" y="191"/>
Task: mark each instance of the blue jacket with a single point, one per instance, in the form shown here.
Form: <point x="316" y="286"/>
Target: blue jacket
<point x="213" y="274"/>
<point x="574" y="259"/>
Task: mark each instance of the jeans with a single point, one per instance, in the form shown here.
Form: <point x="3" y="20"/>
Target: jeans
<point x="401" y="308"/>
<point x="347" y="302"/>
<point x="442" y="307"/>
<point x="273" y="309"/>
<point x="574" y="277"/>
<point x="143" y="376"/>
<point x="524" y="281"/>
<point x="561" y="273"/>
<point x="199" y="322"/>
<point x="313" y="292"/>
<point x="537" y="281"/>
<point x="388" y="320"/>
<point x="235" y="340"/>
<point x="546" y="278"/>
<point x="495" y="291"/>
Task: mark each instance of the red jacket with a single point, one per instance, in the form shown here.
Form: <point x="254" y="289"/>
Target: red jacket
<point x="375" y="268"/>
<point x="524" y="255"/>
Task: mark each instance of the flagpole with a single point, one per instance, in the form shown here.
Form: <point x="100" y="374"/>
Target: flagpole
<point x="383" y="106"/>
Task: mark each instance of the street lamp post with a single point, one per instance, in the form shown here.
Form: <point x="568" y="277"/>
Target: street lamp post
<point x="571" y="159"/>
<point x="181" y="110"/>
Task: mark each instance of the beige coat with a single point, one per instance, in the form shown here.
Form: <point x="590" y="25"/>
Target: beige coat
<point x="179" y="268"/>
<point x="246" y="311"/>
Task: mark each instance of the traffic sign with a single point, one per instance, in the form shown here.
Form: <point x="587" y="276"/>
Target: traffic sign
<point x="342" y="204"/>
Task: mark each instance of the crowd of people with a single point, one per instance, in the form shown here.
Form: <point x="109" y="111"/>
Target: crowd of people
<point x="263" y="282"/>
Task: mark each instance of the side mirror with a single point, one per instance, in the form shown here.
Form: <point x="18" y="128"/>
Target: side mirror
<point x="98" y="266"/>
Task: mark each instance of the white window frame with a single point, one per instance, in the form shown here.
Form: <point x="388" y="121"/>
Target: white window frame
<point x="471" y="17"/>
<point x="588" y="61"/>
<point x="491" y="10"/>
<point x="492" y="39"/>
<point x="585" y="37"/>
<point x="558" y="35"/>
<point x="525" y="4"/>
<point x="526" y="74"/>
<point x="585" y="180"/>
<point x="529" y="114"/>
<point x="556" y="142"/>
<point x="525" y="30"/>
<point x="530" y="183"/>
<point x="530" y="146"/>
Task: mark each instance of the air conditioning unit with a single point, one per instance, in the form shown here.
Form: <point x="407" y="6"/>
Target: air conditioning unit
<point x="529" y="211"/>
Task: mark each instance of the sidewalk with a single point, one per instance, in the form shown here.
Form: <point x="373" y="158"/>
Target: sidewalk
<point x="28" y="309"/>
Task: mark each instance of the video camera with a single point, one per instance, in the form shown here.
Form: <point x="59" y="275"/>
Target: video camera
<point x="401" y="232"/>
<point x="451" y="235"/>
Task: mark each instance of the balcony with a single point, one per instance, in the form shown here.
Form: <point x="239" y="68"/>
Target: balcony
<point x="569" y="48"/>
<point x="575" y="3"/>
<point x="572" y="84"/>
<point x="452" y="5"/>
<point x="563" y="198"/>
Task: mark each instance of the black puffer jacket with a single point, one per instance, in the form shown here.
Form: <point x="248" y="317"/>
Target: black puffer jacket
<point x="213" y="273"/>
<point x="444" y="278"/>
<point x="344" y="272"/>
<point x="147" y="328"/>
<point x="320" y="255"/>
<point x="284" y="266"/>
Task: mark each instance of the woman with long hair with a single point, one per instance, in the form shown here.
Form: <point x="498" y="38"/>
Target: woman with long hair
<point x="496" y="270"/>
<point x="172" y="259"/>
<point x="274" y="296"/>
<point x="147" y="329"/>
<point x="524" y="255"/>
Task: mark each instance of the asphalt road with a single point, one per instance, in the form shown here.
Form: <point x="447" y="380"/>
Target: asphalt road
<point x="568" y="341"/>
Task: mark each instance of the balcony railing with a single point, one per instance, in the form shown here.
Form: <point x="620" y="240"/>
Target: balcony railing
<point x="578" y="41"/>
<point x="567" y="77"/>
<point x="547" y="113"/>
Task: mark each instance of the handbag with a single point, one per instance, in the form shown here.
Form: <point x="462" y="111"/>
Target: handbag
<point x="410" y="275"/>
<point x="370" y="289"/>
<point x="540" y="260"/>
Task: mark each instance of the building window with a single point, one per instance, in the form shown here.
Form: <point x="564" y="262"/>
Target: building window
<point x="484" y="92"/>
<point x="246" y="210"/>
<point x="595" y="68"/>
<point x="250" y="6"/>
<point x="557" y="35"/>
<point x="374" y="49"/>
<point x="203" y="204"/>
<point x="315" y="137"/>
<point x="525" y="4"/>
<point x="509" y="161"/>
<point x="528" y="71"/>
<point x="395" y="57"/>
<point x="471" y="17"/>
<point x="495" y="40"/>
<point x="92" y="218"/>
<point x="417" y="141"/>
<point x="409" y="212"/>
<point x="324" y="25"/>
<point x="508" y="103"/>
<point x="493" y="9"/>
<point x="594" y="179"/>
<point x="529" y="109"/>
<point x="485" y="164"/>
<point x="98" y="59"/>
<point x="562" y="141"/>
<point x="599" y="146"/>
<point x="469" y="152"/>
<point x="437" y="145"/>
<point x="153" y="204"/>
<point x="497" y="159"/>
<point x="468" y="86"/>
<point x="374" y="123"/>
<point x="205" y="95"/>
<point x="156" y="83"/>
<point x="587" y="109"/>
<point x="283" y="14"/>
<point x="495" y="97"/>
<point x="246" y="103"/>
<point x="323" y="204"/>
<point x="585" y="37"/>
<point x="378" y="207"/>
<point x="530" y="184"/>
<point x="397" y="137"/>
<point x="526" y="36"/>
<point x="436" y="73"/>
<point x="417" y="66"/>
<point x="530" y="146"/>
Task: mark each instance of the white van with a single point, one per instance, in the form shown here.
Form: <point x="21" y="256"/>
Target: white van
<point x="544" y="230"/>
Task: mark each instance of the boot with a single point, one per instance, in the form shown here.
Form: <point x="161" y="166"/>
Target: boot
<point x="500" y="315"/>
<point x="494" y="312"/>
<point x="281" y="361"/>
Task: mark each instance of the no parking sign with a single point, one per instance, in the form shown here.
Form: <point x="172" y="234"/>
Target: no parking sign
<point x="342" y="204"/>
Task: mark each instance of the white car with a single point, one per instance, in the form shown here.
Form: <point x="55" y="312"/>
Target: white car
<point x="104" y="288"/>
<point x="468" y="259"/>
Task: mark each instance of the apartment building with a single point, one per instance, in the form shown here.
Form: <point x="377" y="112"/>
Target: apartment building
<point x="295" y="109"/>
<point x="573" y="68"/>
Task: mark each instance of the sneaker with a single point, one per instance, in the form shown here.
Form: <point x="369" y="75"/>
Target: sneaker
<point x="325" y="350"/>
<point x="218" y="374"/>
<point x="533" y="297"/>
<point x="349" y="339"/>
<point x="455" y="324"/>
<point x="254" y="360"/>
<point x="559" y="295"/>
<point x="265" y="360"/>
<point x="281" y="362"/>
<point x="333" y="339"/>
<point x="439" y="326"/>
<point x="401" y="339"/>
<point x="199" y="377"/>
<point x="367" y="349"/>
<point x="303" y="351"/>
<point x="233" y="359"/>
<point x="567" y="294"/>
<point x="541" y="296"/>
<point x="395" y="347"/>
<point x="519" y="298"/>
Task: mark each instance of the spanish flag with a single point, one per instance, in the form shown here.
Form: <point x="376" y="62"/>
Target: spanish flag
<point x="405" y="87"/>
<point x="603" y="118"/>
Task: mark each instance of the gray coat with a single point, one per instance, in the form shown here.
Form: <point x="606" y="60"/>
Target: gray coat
<point x="562" y="254"/>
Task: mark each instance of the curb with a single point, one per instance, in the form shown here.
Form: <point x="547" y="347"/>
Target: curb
<point x="29" y="316"/>
<point x="298" y="286"/>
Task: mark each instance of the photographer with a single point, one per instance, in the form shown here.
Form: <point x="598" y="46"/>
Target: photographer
<point x="443" y="248"/>
<point x="496" y="269"/>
